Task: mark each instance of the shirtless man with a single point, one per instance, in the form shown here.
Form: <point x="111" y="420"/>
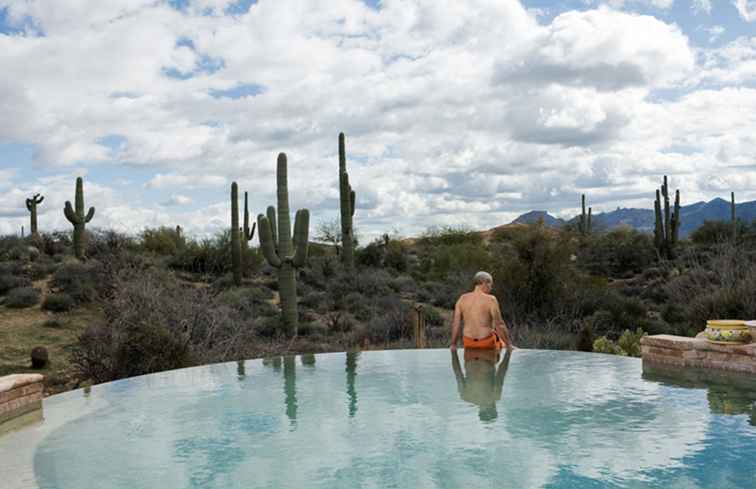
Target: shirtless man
<point x="484" y="326"/>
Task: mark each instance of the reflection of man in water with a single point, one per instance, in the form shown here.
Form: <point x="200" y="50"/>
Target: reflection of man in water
<point x="484" y="326"/>
<point x="482" y="382"/>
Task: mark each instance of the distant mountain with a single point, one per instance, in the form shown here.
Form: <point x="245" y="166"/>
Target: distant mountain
<point x="532" y="217"/>
<point x="693" y="216"/>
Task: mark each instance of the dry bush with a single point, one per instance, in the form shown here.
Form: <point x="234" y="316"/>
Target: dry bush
<point x="153" y="323"/>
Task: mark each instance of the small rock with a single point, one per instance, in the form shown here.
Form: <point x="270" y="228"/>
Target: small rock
<point x="39" y="357"/>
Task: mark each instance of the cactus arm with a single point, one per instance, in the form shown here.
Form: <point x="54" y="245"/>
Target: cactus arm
<point x="29" y="205"/>
<point x="590" y="212"/>
<point x="71" y="215"/>
<point x="301" y="237"/>
<point x="90" y="214"/>
<point x="251" y="233"/>
<point x="39" y="198"/>
<point x="352" y="199"/>
<point x="658" y="231"/>
<point x="266" y="241"/>
<point x="273" y="222"/>
<point x="676" y="227"/>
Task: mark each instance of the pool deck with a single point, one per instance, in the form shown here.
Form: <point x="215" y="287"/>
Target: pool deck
<point x="686" y="352"/>
<point x="20" y="399"/>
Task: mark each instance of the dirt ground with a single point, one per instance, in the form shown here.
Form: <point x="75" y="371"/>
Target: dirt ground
<point x="23" y="329"/>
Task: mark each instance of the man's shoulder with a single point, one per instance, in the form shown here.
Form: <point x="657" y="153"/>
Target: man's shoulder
<point x="492" y="298"/>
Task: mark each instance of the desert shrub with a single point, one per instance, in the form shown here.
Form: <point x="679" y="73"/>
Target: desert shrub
<point x="533" y="272"/>
<point x="618" y="253"/>
<point x="162" y="240"/>
<point x="546" y="335"/>
<point x="713" y="232"/>
<point x="584" y="340"/>
<point x="54" y="243"/>
<point x="40" y="270"/>
<point x="461" y="258"/>
<point x="77" y="280"/>
<point x="11" y="268"/>
<point x="618" y="313"/>
<point x="449" y="235"/>
<point x="314" y="300"/>
<point x="358" y="305"/>
<point x="208" y="256"/>
<point x="720" y="289"/>
<point x="22" y="297"/>
<point x="628" y="344"/>
<point x="395" y="256"/>
<point x="403" y="283"/>
<point x="433" y="318"/>
<point x="605" y="345"/>
<point x="9" y="246"/>
<point x="371" y="255"/>
<point x="392" y="323"/>
<point x="153" y="323"/>
<point x="60" y="302"/>
<point x="100" y="243"/>
<point x="9" y="282"/>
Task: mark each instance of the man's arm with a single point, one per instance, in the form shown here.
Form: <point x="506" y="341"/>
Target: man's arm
<point x="456" y="323"/>
<point x="500" y="325"/>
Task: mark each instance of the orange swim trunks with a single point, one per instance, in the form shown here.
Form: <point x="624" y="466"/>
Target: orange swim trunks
<point x="492" y="342"/>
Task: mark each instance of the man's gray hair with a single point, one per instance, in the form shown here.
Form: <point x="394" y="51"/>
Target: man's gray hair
<point x="482" y="277"/>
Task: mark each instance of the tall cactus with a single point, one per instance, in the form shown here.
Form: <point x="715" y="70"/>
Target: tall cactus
<point x="584" y="225"/>
<point x="247" y="235"/>
<point x="31" y="205"/>
<point x="590" y="214"/>
<point x="279" y="250"/>
<point x="667" y="225"/>
<point x="78" y="218"/>
<point x="733" y="218"/>
<point x="347" y="200"/>
<point x="235" y="245"/>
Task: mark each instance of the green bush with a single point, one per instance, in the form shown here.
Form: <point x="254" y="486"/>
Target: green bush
<point x="618" y="253"/>
<point x="605" y="345"/>
<point x="10" y="282"/>
<point x="627" y="345"/>
<point x="60" y="302"/>
<point x="22" y="297"/>
<point x="162" y="240"/>
<point x="77" y="280"/>
<point x="714" y="232"/>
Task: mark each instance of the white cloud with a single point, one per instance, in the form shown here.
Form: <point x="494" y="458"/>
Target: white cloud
<point x="177" y="200"/>
<point x="454" y="111"/>
<point x="746" y="9"/>
<point x="161" y="181"/>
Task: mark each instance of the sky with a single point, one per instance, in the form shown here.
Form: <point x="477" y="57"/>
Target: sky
<point x="455" y="113"/>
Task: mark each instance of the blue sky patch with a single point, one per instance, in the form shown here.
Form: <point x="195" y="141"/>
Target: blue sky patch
<point x="240" y="7"/>
<point x="239" y="91"/>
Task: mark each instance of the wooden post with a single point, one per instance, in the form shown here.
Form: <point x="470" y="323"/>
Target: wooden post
<point x="419" y="323"/>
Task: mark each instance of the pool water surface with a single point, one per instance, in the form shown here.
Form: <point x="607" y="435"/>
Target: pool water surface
<point x="404" y="419"/>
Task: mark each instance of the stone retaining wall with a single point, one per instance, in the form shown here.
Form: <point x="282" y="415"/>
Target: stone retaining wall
<point x="697" y="352"/>
<point x="20" y="395"/>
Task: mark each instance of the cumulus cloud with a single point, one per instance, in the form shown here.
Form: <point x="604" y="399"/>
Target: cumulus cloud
<point x="177" y="200"/>
<point x="746" y="9"/>
<point x="455" y="112"/>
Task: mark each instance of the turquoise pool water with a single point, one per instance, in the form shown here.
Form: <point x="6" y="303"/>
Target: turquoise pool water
<point x="405" y="419"/>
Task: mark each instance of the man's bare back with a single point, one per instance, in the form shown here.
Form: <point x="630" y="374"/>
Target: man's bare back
<point x="480" y="312"/>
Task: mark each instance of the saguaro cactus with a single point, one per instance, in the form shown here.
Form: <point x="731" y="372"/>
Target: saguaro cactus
<point x="667" y="226"/>
<point x="247" y="235"/>
<point x="31" y="205"/>
<point x="347" y="199"/>
<point x="733" y="218"/>
<point x="78" y="218"/>
<point x="584" y="225"/>
<point x="235" y="245"/>
<point x="279" y="250"/>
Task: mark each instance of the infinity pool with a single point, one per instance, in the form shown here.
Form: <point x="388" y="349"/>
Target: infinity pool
<point x="404" y="419"/>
